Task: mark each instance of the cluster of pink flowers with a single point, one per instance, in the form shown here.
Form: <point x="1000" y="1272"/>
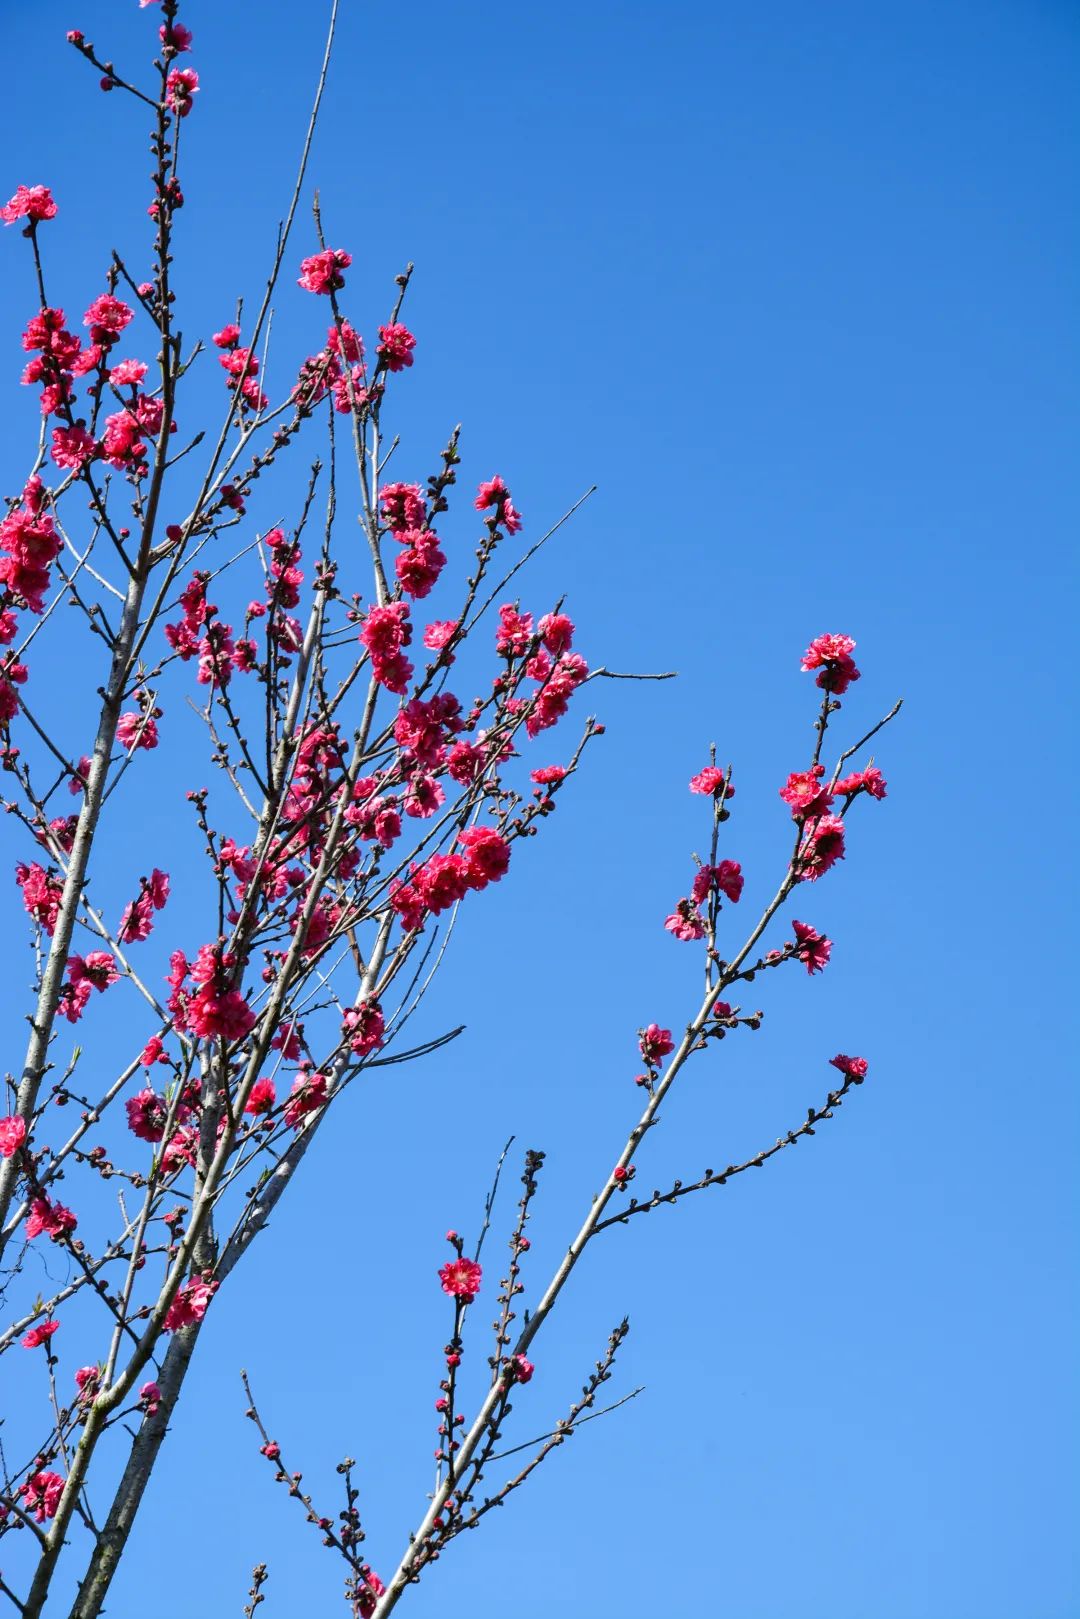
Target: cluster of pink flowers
<point x="386" y="632"/>
<point x="41" y="1494"/>
<point x="241" y="366"/>
<point x="494" y="497"/>
<point x="395" y="347"/>
<point x="710" y="783"/>
<point x="421" y="561"/>
<point x="656" y="1044"/>
<point x="202" y="635"/>
<point x="364" y="1028"/>
<point x="136" y="730"/>
<point x="811" y="947"/>
<point x="28" y="544"/>
<point x="686" y="921"/>
<point x="309" y="1095"/>
<point x="821" y="847"/>
<point x="148" y="1114"/>
<point x="97" y="970"/>
<point x="869" y="781"/>
<point x="854" y="1067"/>
<point x="181" y="87"/>
<point x="216" y="1010"/>
<point x="444" y="879"/>
<point x="138" y="916"/>
<point x="804" y="793"/>
<point x="321" y="272"/>
<point x="189" y="1305"/>
<point x="41" y="894"/>
<point x="50" y="1219"/>
<point x="831" y="656"/>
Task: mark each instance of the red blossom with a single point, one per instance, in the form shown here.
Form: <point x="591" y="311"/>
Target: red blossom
<point x="811" y="947"/>
<point x="395" y="346"/>
<point x="12" y="1135"/>
<point x="41" y="1494"/>
<point x="869" y="781"/>
<point x="189" y="1305"/>
<point x="831" y="656"/>
<point x="32" y="203"/>
<point x="321" y="272"/>
<point x="40" y="1335"/>
<point x="461" y="1277"/>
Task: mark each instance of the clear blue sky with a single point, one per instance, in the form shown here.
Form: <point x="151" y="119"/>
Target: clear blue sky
<point x="796" y="286"/>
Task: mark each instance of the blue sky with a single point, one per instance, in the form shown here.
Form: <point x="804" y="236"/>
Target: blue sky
<point x="796" y="288"/>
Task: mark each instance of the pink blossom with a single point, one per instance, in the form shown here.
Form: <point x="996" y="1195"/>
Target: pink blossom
<point x="407" y="901"/>
<point x="41" y="894"/>
<point x="347" y="343"/>
<point x="831" y="656"/>
<point x="73" y="447"/>
<point x="442" y="881"/>
<point x="73" y="1000"/>
<point x="308" y="1095"/>
<point x="364" y="1027"/>
<point x="854" y="1067"/>
<point x="487" y="854"/>
<point x="228" y="336"/>
<point x="40" y="1335"/>
<point x="726" y="879"/>
<point x="189" y="1305"/>
<point x="12" y="1135"/>
<point x="51" y="1218"/>
<point x="135" y="731"/>
<point x="461" y="1277"/>
<point x="514" y="634"/>
<point x="869" y="781"/>
<point x="152" y="1051"/>
<point x="87" y="1379"/>
<point x="321" y="272"/>
<point x="557" y="633"/>
<point x="821" y="848"/>
<point x="174" y="36"/>
<point x="710" y="780"/>
<point x="805" y="794"/>
<point x="127" y="373"/>
<point x="685" y="923"/>
<point x="41" y="1494"/>
<point x="180" y="1150"/>
<point x="494" y="495"/>
<point x="548" y="775"/>
<point x="181" y="85"/>
<point x="262" y="1098"/>
<point x="521" y="1369"/>
<point x="439" y="634"/>
<point x="150" y="1398"/>
<point x="32" y="203"/>
<point x="655" y="1043"/>
<point x="403" y="506"/>
<point x="812" y="947"/>
<point x="107" y="317"/>
<point x="97" y="969"/>
<point x="147" y="1113"/>
<point x="395" y="346"/>
<point x="418" y="568"/>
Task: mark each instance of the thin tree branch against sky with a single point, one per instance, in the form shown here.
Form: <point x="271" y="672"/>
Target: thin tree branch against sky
<point x="767" y="316"/>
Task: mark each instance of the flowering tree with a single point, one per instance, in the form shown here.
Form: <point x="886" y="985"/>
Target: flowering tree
<point x="358" y="802"/>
